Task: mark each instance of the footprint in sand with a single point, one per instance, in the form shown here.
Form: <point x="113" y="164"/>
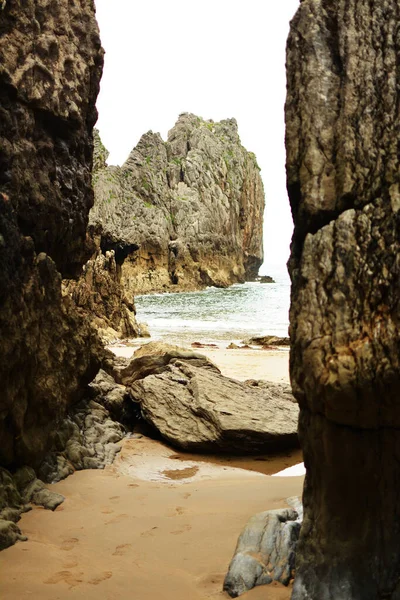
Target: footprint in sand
<point x="107" y="510"/>
<point x="70" y="565"/>
<point x="178" y="511"/>
<point x="102" y="577"/>
<point x="113" y="497"/>
<point x="68" y="577"/>
<point x="133" y="485"/>
<point x="116" y="520"/>
<point x="122" y="549"/>
<point x="69" y="543"/>
<point x="148" y="533"/>
<point x="184" y="529"/>
<point x="186" y="496"/>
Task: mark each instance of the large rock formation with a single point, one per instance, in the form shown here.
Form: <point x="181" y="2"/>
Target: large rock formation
<point x="185" y="397"/>
<point x="50" y="66"/>
<point x="343" y="123"/>
<point x="187" y="212"/>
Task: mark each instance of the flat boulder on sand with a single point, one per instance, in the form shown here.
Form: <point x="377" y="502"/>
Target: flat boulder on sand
<point x="194" y="407"/>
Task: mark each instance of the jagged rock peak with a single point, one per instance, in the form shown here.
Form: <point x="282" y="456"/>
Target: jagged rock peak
<point x="193" y="207"/>
<point x="342" y="136"/>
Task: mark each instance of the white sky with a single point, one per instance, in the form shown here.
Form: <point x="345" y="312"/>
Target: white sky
<point x="215" y="58"/>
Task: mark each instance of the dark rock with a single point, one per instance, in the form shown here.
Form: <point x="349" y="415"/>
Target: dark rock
<point x="51" y="62"/>
<point x="342" y="138"/>
<point x="16" y="491"/>
<point x="265" y="551"/>
<point x="269" y="340"/>
<point x="265" y="279"/>
<point x="86" y="439"/>
<point x="187" y="213"/>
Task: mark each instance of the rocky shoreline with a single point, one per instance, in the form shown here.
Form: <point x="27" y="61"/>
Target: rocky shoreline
<point x="163" y="385"/>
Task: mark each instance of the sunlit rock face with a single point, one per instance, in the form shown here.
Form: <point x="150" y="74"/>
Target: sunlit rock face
<point x="50" y="67"/>
<point x="187" y="213"/>
<point x="342" y="138"/>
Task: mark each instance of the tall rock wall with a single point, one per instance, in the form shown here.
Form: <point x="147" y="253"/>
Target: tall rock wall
<point x="50" y="67"/>
<point x="343" y="123"/>
<point x="187" y="212"/>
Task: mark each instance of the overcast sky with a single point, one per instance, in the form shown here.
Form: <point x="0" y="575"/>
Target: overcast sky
<point x="215" y="58"/>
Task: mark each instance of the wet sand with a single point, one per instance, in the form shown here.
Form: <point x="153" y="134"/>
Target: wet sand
<point x="158" y="524"/>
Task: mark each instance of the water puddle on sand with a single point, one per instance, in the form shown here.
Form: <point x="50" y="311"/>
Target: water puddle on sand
<point x="181" y="473"/>
<point x="153" y="460"/>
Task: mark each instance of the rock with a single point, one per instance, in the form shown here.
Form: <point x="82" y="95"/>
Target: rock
<point x="203" y="345"/>
<point x="51" y="62"/>
<point x="156" y="348"/>
<point x="265" y="279"/>
<point x="265" y="551"/>
<point x="99" y="293"/>
<point x="268" y="340"/>
<point x="115" y="398"/>
<point x="16" y="491"/>
<point x="10" y="533"/>
<point x="342" y="135"/>
<point x="187" y="213"/>
<point x="88" y="438"/>
<point x="195" y="408"/>
<point x="144" y="330"/>
<point x="283" y="389"/>
<point x="233" y="346"/>
<point x="157" y="362"/>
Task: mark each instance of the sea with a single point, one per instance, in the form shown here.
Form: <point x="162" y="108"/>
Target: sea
<point x="216" y="315"/>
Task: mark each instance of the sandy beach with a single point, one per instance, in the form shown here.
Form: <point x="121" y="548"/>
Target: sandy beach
<point x="242" y="364"/>
<point x="158" y="524"/>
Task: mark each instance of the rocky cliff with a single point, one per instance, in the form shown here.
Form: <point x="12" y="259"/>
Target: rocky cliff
<point x="342" y="117"/>
<point x="187" y="212"/>
<point x="50" y="67"/>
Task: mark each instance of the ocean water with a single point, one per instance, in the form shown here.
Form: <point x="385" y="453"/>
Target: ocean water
<point x="214" y="315"/>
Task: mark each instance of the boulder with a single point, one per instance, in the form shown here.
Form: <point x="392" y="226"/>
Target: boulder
<point x="268" y="340"/>
<point x="266" y="550"/>
<point x="195" y="408"/>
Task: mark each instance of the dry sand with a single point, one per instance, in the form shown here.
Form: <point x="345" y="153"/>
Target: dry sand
<point x="271" y="365"/>
<point x="157" y="525"/>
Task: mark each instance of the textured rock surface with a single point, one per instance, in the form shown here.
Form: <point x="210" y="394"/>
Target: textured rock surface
<point x="343" y="179"/>
<point x="266" y="550"/>
<point x="187" y="213"/>
<point x="16" y="492"/>
<point x="268" y="340"/>
<point x="86" y="439"/>
<point x="195" y="408"/>
<point x="50" y="66"/>
<point x="99" y="292"/>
